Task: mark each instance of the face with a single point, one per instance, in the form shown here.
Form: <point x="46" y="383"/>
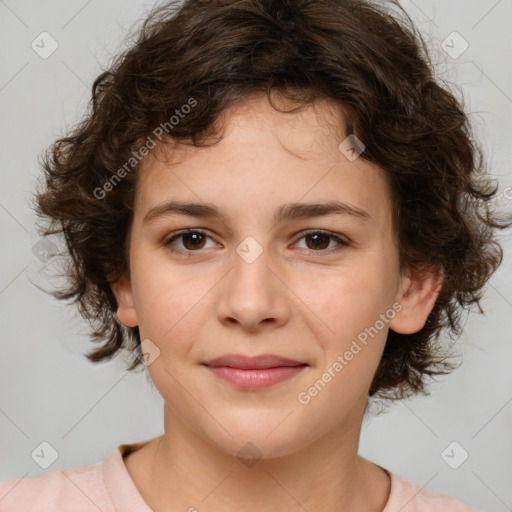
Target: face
<point x="266" y="275"/>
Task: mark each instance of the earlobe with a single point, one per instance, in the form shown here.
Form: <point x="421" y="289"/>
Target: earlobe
<point x="123" y="293"/>
<point x="417" y="298"/>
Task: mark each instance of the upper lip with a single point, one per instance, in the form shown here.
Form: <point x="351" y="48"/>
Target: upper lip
<point x="252" y="362"/>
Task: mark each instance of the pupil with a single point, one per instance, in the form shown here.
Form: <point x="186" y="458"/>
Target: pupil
<point x="192" y="236"/>
<point x="317" y="244"/>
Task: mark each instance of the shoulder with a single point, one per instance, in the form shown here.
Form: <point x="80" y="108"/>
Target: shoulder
<point x="81" y="488"/>
<point x="406" y="496"/>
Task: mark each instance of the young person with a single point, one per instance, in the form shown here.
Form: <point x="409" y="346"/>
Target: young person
<point x="277" y="210"/>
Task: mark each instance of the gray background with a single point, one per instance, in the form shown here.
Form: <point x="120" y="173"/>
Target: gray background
<point x="50" y="392"/>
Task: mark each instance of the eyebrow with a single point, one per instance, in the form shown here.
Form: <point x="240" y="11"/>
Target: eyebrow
<point x="290" y="211"/>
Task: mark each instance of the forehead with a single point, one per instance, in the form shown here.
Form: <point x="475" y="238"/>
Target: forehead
<point x="266" y="158"/>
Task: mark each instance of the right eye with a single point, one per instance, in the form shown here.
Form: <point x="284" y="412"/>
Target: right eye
<point x="191" y="239"/>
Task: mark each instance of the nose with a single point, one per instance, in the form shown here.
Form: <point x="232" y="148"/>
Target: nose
<point x="254" y="295"/>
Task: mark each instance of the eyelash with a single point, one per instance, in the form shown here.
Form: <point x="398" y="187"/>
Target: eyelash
<point x="342" y="243"/>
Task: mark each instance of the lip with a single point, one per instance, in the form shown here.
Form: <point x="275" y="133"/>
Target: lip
<point x="260" y="362"/>
<point x="254" y="372"/>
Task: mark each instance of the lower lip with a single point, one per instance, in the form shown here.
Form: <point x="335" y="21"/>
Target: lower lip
<point x="255" y="379"/>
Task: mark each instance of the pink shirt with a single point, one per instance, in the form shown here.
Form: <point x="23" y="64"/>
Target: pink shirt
<point x="108" y="487"/>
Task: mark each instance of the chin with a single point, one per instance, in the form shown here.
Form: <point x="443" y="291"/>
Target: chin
<point x="258" y="440"/>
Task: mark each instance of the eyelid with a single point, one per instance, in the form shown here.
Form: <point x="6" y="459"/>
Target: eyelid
<point x="338" y="236"/>
<point x="177" y="234"/>
<point x="343" y="241"/>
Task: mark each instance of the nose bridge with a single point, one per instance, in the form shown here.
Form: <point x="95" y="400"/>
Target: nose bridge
<point x="252" y="263"/>
<point x="252" y="293"/>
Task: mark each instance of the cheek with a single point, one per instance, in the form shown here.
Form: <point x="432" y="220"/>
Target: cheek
<point x="170" y="308"/>
<point x="168" y="303"/>
<point x="351" y="306"/>
<point x="349" y="301"/>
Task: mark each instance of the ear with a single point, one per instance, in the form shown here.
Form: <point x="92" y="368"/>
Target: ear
<point x="417" y="296"/>
<point x="123" y="293"/>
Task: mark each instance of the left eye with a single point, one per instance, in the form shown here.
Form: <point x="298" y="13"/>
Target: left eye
<point x="316" y="241"/>
<point x="319" y="240"/>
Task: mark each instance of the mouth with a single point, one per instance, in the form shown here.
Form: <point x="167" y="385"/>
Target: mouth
<point x="252" y="373"/>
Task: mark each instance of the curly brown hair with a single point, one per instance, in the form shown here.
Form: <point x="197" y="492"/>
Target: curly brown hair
<point x="363" y="56"/>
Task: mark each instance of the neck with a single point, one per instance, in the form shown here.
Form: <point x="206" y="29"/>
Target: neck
<point x="181" y="471"/>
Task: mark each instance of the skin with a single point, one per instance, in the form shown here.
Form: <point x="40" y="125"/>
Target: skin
<point x="293" y="300"/>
